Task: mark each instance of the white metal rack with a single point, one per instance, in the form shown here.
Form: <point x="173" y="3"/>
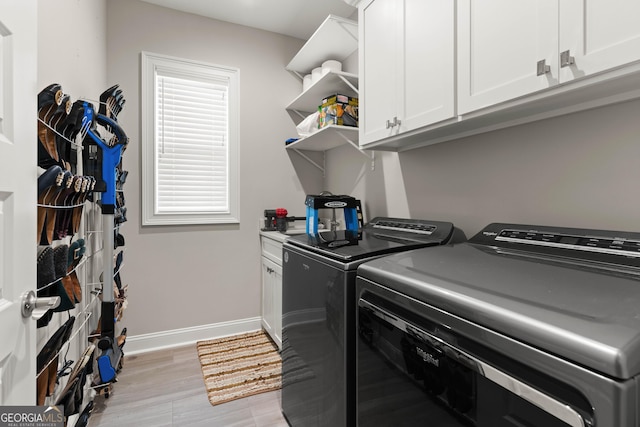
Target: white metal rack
<point x="336" y="38"/>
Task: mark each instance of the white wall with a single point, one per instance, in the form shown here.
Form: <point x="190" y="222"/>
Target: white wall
<point x="72" y="44"/>
<point x="189" y="276"/>
<point x="578" y="170"/>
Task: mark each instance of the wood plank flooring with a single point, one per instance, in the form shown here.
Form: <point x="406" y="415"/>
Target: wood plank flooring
<point x="165" y="388"/>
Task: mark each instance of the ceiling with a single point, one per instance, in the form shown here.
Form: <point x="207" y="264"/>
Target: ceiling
<point x="296" y="18"/>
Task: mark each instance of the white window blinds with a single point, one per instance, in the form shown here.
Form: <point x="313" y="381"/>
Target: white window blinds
<point x="192" y="145"/>
<point x="190" y="142"/>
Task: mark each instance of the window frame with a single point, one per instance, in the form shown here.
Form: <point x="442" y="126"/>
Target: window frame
<point x="151" y="64"/>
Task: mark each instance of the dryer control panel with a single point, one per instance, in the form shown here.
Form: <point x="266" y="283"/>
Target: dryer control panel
<point x="599" y="245"/>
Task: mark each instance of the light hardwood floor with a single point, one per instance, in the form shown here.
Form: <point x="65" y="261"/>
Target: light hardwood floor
<point x="165" y="388"/>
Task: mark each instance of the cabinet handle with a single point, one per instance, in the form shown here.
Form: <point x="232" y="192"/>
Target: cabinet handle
<point x="393" y="123"/>
<point x="543" y="68"/>
<point x="566" y="59"/>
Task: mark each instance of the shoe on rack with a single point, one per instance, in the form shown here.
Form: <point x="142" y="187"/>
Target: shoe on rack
<point x="51" y="149"/>
<point x="46" y="207"/>
<point x="73" y="260"/>
<point x="47" y="359"/>
<point x="50" y="110"/>
<point x="72" y="395"/>
<point x="63" y="287"/>
<point x="49" y="183"/>
<point x="111" y="102"/>
<point x="83" y="420"/>
<point x="46" y="278"/>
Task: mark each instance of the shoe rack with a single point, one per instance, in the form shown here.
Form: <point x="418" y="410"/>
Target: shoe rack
<point x="81" y="207"/>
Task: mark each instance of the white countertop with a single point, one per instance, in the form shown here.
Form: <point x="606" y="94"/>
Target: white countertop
<point x="281" y="237"/>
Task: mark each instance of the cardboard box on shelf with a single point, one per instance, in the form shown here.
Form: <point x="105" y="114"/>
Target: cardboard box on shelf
<point x="339" y="110"/>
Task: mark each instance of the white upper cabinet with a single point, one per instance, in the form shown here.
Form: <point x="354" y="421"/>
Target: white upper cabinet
<point x="599" y="35"/>
<point x="501" y="44"/>
<point x="406" y="66"/>
<point x="508" y="49"/>
<point x="378" y="54"/>
<point x="437" y="70"/>
<point x="428" y="83"/>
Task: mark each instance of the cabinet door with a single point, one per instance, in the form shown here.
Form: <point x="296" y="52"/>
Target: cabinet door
<point x="599" y="35"/>
<point x="277" y="304"/>
<point x="428" y="52"/>
<point x="499" y="45"/>
<point x="268" y="315"/>
<point x="378" y="55"/>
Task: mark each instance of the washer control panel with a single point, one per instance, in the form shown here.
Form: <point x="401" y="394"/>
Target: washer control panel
<point x="405" y="225"/>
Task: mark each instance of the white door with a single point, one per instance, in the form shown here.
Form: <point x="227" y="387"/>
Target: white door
<point x="428" y="52"/>
<point x="378" y="83"/>
<point x="599" y="35"/>
<point x="18" y="178"/>
<point x="500" y="43"/>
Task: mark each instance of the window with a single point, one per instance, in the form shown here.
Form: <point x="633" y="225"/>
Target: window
<point x="189" y="142"/>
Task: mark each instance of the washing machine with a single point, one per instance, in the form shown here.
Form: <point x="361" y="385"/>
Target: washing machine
<point x="318" y="312"/>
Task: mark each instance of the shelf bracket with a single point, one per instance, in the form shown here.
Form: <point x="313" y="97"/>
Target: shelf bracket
<point x="307" y="158"/>
<point x="302" y="116"/>
<point x="297" y="74"/>
<point x="372" y="156"/>
<point x="348" y="83"/>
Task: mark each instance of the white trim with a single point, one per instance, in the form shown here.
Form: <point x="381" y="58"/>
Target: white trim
<point x="144" y="343"/>
<point x="149" y="64"/>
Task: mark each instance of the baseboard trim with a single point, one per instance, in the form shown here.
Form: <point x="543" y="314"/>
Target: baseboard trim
<point x="137" y="344"/>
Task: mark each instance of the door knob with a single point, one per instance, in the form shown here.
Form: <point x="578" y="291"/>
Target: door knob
<point x="35" y="307"/>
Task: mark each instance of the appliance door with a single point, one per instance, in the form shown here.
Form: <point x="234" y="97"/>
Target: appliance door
<point x="316" y="355"/>
<point x="408" y="375"/>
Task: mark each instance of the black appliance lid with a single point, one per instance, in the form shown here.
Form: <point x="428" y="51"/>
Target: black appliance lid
<point x="580" y="304"/>
<point x="378" y="237"/>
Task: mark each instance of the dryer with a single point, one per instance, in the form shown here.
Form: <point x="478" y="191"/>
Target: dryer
<point x="522" y="325"/>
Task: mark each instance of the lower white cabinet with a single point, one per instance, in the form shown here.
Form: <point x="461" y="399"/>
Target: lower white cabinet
<point x="272" y="285"/>
<point x="272" y="299"/>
